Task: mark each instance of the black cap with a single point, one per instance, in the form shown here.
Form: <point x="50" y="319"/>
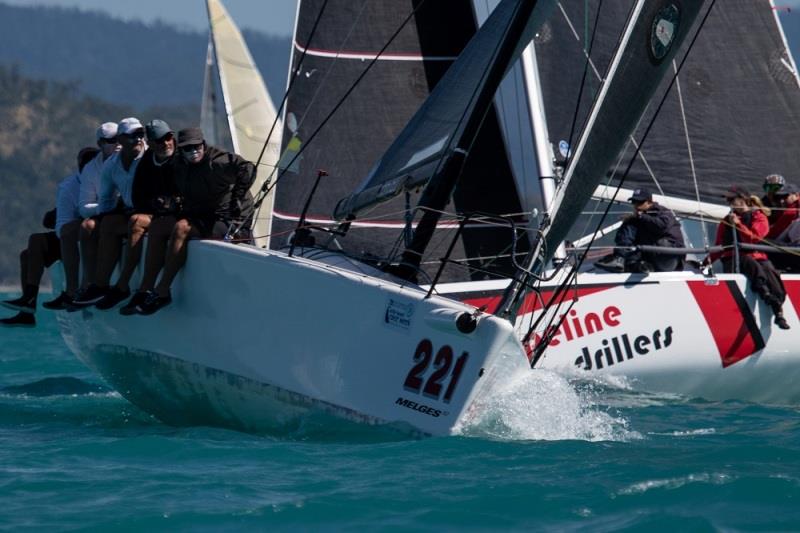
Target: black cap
<point x="641" y="195"/>
<point x="190" y="136"/>
<point x="736" y="192"/>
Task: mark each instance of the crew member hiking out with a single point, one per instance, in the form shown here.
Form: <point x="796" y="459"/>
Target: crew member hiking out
<point x="215" y="188"/>
<point x="747" y="224"/>
<point x="649" y="224"/>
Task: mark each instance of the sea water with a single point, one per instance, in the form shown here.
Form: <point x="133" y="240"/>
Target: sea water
<point x="551" y="453"/>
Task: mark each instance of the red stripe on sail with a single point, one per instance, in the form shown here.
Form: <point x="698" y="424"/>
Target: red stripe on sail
<point x="727" y="320"/>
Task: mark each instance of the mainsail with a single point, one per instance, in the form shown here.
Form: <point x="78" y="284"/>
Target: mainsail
<point x="251" y="116"/>
<point x="730" y="117"/>
<point x="337" y="41"/>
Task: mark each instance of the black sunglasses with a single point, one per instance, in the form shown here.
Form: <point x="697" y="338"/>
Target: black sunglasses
<point x="112" y="140"/>
<point x="134" y="136"/>
<point x="189" y="148"/>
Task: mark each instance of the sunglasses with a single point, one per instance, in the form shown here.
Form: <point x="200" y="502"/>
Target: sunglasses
<point x="134" y="136"/>
<point x="189" y="148"/>
<point x="165" y="139"/>
<point x="112" y="140"/>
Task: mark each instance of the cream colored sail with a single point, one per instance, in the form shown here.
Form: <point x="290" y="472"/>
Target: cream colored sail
<point x="249" y="109"/>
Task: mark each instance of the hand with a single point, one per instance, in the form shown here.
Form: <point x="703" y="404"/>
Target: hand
<point x="733" y="218"/>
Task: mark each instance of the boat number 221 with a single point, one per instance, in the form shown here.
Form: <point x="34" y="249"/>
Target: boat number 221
<point x="442" y="364"/>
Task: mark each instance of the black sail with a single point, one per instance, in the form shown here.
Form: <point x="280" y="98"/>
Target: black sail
<point x="729" y="118"/>
<point x="347" y="36"/>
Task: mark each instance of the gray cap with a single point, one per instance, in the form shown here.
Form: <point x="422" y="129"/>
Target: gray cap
<point x="157" y="129"/>
<point x="788" y="189"/>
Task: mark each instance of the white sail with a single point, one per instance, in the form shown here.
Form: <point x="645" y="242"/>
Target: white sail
<point x="249" y="109"/>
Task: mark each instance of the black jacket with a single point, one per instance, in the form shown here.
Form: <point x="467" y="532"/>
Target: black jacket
<point x="217" y="186"/>
<point x="657" y="223"/>
<point x="154" y="189"/>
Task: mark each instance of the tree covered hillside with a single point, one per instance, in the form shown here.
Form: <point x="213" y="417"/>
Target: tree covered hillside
<point x="126" y="62"/>
<point x="44" y="124"/>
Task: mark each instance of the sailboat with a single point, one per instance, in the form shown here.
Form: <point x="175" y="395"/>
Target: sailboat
<point x="710" y="337"/>
<point x="237" y="112"/>
<point x="256" y="338"/>
<point x="694" y="334"/>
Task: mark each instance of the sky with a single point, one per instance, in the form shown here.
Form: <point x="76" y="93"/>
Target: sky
<point x="275" y="17"/>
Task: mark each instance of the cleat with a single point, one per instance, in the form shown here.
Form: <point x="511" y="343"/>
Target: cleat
<point x="113" y="296"/>
<point x="21" y="320"/>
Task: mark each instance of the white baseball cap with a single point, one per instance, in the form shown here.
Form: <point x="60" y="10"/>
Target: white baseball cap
<point x="107" y="130"/>
<point x="129" y="125"/>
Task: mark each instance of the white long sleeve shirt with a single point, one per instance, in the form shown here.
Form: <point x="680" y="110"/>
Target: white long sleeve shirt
<point x="116" y="182"/>
<point x="67" y="201"/>
<point x="90" y="186"/>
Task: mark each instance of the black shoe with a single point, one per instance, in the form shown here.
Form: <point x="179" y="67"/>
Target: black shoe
<point x="153" y="303"/>
<point x="114" y="296"/>
<point x="89" y="296"/>
<point x="60" y="303"/>
<point x="780" y="321"/>
<point x="20" y="320"/>
<point x="611" y="263"/>
<point x="23" y="304"/>
<point x="130" y="308"/>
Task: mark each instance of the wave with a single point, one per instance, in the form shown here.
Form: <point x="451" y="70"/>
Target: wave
<point x="56" y="386"/>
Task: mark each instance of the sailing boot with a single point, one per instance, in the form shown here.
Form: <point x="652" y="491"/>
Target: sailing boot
<point x="61" y="302"/>
<point x="611" y="263"/>
<point x="25" y="303"/>
<point x="20" y="320"/>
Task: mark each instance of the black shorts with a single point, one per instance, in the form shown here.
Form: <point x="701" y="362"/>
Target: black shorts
<point x="209" y="227"/>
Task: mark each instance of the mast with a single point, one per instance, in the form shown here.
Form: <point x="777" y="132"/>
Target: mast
<point x="440" y="189"/>
<point x="541" y="139"/>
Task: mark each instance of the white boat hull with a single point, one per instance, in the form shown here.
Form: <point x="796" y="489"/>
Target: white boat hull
<point x="255" y="339"/>
<point x="674" y="332"/>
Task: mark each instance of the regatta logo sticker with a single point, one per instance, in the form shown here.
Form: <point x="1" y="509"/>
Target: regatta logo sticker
<point x="665" y="26"/>
<point x="398" y="314"/>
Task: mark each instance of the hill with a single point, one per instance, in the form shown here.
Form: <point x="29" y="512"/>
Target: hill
<point x="119" y="61"/>
<point x="44" y="126"/>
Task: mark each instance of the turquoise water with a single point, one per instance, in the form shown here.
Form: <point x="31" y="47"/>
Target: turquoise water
<point x="550" y="455"/>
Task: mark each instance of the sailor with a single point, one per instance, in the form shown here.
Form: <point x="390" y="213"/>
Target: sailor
<point x="649" y="224"/>
<point x="44" y="249"/>
<point x="747" y="223"/>
<point x="115" y="205"/>
<point x="90" y="190"/>
<point x="786" y="230"/>
<point x="215" y="187"/>
<point x="152" y="191"/>
<point x="773" y="183"/>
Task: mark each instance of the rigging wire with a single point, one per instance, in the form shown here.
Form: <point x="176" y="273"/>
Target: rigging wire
<point x="550" y="331"/>
<point x="282" y="172"/>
